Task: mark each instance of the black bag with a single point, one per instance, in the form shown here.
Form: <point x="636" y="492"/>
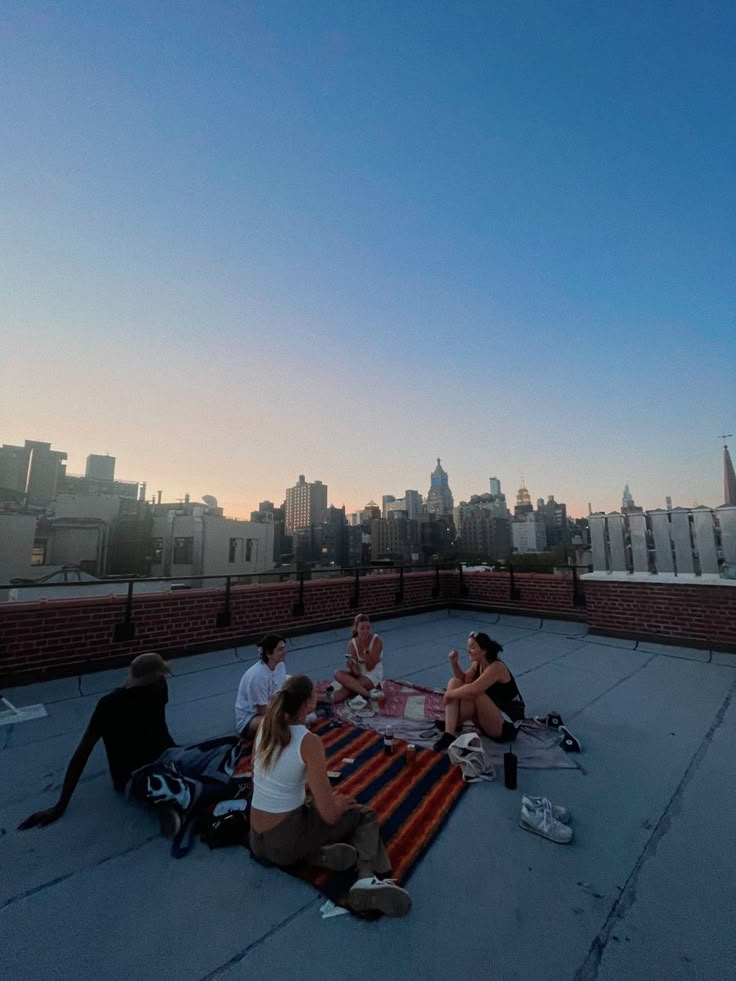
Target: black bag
<point x="223" y="830"/>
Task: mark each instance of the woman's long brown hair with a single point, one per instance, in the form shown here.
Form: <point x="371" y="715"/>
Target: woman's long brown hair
<point x="274" y="733"/>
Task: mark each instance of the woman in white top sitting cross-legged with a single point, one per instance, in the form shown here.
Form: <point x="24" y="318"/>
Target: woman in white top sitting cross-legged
<point x="328" y="829"/>
<point x="259" y="684"/>
<point x="363" y="670"/>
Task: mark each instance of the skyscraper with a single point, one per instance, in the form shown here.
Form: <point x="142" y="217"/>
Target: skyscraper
<point x="729" y="477"/>
<point x="439" y="496"/>
<point x="628" y="505"/>
<point x="555" y="522"/>
<point x="370" y="512"/>
<point x="523" y="501"/>
<point x="305" y="504"/>
<point x="413" y="503"/>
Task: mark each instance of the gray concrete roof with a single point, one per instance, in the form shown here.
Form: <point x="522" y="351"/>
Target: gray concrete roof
<point x="646" y="890"/>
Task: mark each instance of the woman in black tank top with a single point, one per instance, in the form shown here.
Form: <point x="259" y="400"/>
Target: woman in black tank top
<point x="482" y="693"/>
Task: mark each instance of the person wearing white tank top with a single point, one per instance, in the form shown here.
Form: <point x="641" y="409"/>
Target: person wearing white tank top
<point x="363" y="669"/>
<point x="327" y="829"/>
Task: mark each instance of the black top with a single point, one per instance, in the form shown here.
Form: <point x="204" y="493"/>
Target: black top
<point x="132" y="724"/>
<point x="504" y="694"/>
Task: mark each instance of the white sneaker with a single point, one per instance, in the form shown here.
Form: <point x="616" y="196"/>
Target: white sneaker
<point x="559" y="813"/>
<point x="381" y="895"/>
<point x="541" y="822"/>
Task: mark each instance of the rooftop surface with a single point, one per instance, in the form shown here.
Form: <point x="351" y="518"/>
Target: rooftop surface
<point x="646" y="889"/>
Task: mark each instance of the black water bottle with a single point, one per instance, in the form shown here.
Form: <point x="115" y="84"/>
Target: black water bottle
<point x="510" y="764"/>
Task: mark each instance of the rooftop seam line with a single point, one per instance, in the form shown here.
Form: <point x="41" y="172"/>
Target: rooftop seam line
<point x="543" y="664"/>
<point x="210" y="667"/>
<point x="68" y="875"/>
<point x="588" y="970"/>
<point x="237" y="958"/>
<point x="620" y="681"/>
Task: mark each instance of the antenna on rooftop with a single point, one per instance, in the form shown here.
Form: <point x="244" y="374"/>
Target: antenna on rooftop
<point x="209" y="500"/>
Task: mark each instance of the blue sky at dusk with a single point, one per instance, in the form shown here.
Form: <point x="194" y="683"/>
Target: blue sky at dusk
<point x="244" y="241"/>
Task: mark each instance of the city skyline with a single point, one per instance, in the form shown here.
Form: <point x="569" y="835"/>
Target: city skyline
<point x="244" y="243"/>
<point x="278" y="497"/>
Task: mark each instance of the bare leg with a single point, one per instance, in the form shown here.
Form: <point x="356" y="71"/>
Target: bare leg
<point x="452" y="708"/>
<point x="351" y="686"/>
<point x="488" y="716"/>
<point x="467" y="711"/>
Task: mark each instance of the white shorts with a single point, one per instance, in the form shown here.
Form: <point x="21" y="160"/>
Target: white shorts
<point x="375" y="676"/>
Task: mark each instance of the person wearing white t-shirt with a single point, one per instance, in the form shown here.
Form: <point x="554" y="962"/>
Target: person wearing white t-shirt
<point x="259" y="684"/>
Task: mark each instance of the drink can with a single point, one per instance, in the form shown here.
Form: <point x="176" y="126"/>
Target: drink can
<point x="411" y="753"/>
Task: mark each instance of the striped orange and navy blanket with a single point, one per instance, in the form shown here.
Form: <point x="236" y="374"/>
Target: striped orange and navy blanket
<point x="412" y="798"/>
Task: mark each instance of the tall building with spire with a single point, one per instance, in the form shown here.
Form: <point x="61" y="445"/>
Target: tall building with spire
<point x="729" y="477"/>
<point x="439" y="497"/>
<point x="523" y="501"/>
<point x="628" y="504"/>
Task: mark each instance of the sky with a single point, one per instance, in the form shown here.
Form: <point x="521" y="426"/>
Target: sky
<point x="246" y="241"/>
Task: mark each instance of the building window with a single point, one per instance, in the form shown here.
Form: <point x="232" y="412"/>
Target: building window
<point x="158" y="551"/>
<point x="183" y="551"/>
<point x="235" y="552"/>
<point x="251" y="549"/>
<point x="38" y="552"/>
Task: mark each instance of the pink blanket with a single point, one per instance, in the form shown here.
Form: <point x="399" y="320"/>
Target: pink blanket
<point x="402" y="701"/>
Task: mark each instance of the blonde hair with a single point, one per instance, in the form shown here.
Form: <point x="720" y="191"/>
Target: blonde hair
<point x="274" y="734"/>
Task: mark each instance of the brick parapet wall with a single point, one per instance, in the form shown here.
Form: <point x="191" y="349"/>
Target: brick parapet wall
<point x="536" y="593"/>
<point x="64" y="637"/>
<point x="693" y="614"/>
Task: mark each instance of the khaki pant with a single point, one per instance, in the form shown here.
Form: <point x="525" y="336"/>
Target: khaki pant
<point x="300" y="836"/>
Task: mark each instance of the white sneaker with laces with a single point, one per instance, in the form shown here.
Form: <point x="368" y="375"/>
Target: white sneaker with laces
<point x="559" y="813"/>
<point x="542" y="822"/>
<point x="381" y="895"/>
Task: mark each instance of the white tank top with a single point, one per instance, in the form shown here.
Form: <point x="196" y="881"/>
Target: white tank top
<point x="281" y="787"/>
<point x="376" y="674"/>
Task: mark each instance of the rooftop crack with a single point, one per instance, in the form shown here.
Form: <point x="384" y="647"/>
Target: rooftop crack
<point x="588" y="970"/>
<point x="615" y="685"/>
<point x="241" y="955"/>
<point x="68" y="875"/>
